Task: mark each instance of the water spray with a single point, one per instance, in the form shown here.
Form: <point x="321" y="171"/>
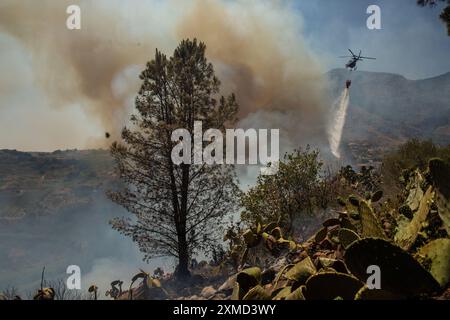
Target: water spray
<point x="337" y="121"/>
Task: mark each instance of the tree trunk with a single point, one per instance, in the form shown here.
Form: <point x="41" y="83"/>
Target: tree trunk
<point x="182" y="270"/>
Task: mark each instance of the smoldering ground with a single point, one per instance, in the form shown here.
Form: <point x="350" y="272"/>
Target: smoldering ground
<point x="256" y="47"/>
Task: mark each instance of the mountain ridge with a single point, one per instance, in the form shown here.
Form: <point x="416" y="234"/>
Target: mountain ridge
<point x="386" y="105"/>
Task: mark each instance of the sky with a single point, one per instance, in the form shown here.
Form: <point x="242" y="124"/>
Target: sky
<point x="64" y="90"/>
<point x="412" y="41"/>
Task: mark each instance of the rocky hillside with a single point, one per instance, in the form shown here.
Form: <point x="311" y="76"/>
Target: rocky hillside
<point x="43" y="184"/>
<point x="54" y="213"/>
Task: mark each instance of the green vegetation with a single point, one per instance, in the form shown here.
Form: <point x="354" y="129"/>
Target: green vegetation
<point x="408" y="239"/>
<point x="409" y="156"/>
<point x="298" y="190"/>
<point x="414" y="264"/>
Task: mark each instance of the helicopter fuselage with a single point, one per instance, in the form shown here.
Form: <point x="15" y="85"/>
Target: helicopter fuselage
<point x="351" y="64"/>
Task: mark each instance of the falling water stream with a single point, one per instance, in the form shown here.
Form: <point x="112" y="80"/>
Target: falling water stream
<point x="337" y="122"/>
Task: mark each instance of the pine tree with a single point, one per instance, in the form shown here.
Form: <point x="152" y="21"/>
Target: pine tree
<point x="178" y="209"/>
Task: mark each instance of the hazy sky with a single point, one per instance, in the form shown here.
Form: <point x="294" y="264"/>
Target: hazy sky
<point x="413" y="41"/>
<point x="50" y="98"/>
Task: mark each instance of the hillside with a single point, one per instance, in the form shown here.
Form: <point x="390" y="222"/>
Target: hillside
<point x="41" y="184"/>
<point x="54" y="213"/>
<point x="389" y="109"/>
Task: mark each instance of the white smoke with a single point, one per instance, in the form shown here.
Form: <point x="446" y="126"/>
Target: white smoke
<point x="337" y="122"/>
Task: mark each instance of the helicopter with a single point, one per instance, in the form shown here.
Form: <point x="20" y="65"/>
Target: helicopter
<point x="351" y="64"/>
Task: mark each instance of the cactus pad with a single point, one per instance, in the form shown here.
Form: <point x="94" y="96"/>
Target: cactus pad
<point x="407" y="234"/>
<point x="369" y="222"/>
<point x="345" y="223"/>
<point x="331" y="222"/>
<point x="257" y="293"/>
<point x="439" y="173"/>
<point x="301" y="271"/>
<point x="282" y="293"/>
<point x="354" y="201"/>
<point x="437" y="252"/>
<point x="251" y="239"/>
<point x="400" y="272"/>
<point x="321" y="235"/>
<point x="329" y="285"/>
<point x="377" y="196"/>
<point x="297" y="294"/>
<point x="376" y="294"/>
<point x="347" y="237"/>
<point x="248" y="278"/>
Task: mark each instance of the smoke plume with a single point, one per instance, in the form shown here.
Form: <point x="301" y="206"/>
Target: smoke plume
<point x="256" y="47"/>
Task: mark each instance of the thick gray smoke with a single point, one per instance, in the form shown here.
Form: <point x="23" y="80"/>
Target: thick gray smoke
<point x="91" y="74"/>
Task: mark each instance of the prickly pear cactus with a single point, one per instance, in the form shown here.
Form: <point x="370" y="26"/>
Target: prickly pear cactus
<point x="45" y="294"/>
<point x="248" y="278"/>
<point x="333" y="235"/>
<point x="331" y="222"/>
<point x="415" y="190"/>
<point x="347" y="224"/>
<point x="276" y="233"/>
<point x="297" y="294"/>
<point x="436" y="257"/>
<point x="238" y="293"/>
<point x="282" y="293"/>
<point x="400" y="272"/>
<point x="376" y="196"/>
<point x="406" y="212"/>
<point x="353" y="200"/>
<point x="251" y="239"/>
<point x="301" y="271"/>
<point x="407" y="233"/>
<point x="378" y="294"/>
<point x="443" y="205"/>
<point x="370" y="225"/>
<point x="347" y="237"/>
<point x="321" y="235"/>
<point x="269" y="227"/>
<point x="245" y="281"/>
<point x="439" y="172"/>
<point x="336" y="265"/>
<point x="329" y="285"/>
<point x="257" y="293"/>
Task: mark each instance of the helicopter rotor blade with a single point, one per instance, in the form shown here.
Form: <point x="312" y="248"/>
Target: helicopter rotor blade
<point x="369" y="58"/>
<point x="352" y="52"/>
